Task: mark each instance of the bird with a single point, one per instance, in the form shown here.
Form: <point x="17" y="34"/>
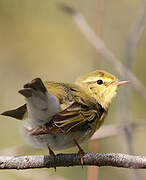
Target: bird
<point x="60" y="115"/>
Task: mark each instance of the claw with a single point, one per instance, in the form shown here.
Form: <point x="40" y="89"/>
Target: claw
<point x="53" y="156"/>
<point x="80" y="152"/>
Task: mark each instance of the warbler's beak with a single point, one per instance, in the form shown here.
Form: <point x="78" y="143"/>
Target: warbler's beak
<point x="119" y="83"/>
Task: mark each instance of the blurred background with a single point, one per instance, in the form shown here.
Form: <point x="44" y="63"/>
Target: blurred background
<point x="39" y="39"/>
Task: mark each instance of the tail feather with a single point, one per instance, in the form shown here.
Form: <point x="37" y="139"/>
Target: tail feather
<point x="41" y="104"/>
<point x="16" y="113"/>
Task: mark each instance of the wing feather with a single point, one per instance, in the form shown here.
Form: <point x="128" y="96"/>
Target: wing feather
<point x="74" y="116"/>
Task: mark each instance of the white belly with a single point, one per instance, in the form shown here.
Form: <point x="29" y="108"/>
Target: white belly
<point x="56" y="141"/>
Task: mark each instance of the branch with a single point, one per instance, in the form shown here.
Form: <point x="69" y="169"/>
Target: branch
<point x="101" y="48"/>
<point x="66" y="160"/>
<point x="113" y="130"/>
<point x="134" y="36"/>
<point x="125" y="112"/>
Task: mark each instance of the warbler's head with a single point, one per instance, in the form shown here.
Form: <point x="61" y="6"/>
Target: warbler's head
<point x="100" y="85"/>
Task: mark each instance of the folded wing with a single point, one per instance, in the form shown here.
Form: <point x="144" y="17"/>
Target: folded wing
<point x="74" y="116"/>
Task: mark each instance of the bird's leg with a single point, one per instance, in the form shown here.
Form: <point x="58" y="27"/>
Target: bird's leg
<point x="53" y="156"/>
<point x="80" y="152"/>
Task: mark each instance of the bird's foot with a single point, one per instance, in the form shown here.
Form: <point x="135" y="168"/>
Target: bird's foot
<point x="53" y="156"/>
<point x="80" y="152"/>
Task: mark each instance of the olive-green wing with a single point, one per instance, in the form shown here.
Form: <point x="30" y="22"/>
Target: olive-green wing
<point x="73" y="116"/>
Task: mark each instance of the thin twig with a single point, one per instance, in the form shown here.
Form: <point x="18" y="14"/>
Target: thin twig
<point x="126" y="95"/>
<point x="66" y="160"/>
<point x="114" y="130"/>
<point x="101" y="48"/>
<point x="133" y="37"/>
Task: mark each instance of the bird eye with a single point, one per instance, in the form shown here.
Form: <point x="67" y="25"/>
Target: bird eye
<point x="99" y="82"/>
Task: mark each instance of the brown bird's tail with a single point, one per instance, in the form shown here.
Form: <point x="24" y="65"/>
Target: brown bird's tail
<point x="16" y="113"/>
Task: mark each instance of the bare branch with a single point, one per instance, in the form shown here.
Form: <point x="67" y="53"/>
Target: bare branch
<point x="101" y="48"/>
<point x="134" y="36"/>
<point x="132" y="41"/>
<point x="114" y="130"/>
<point x="106" y="131"/>
<point x="66" y="160"/>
